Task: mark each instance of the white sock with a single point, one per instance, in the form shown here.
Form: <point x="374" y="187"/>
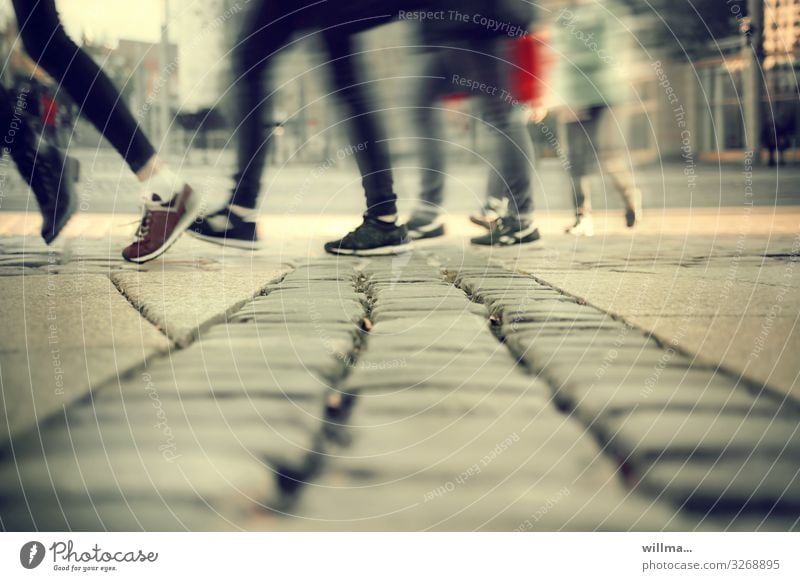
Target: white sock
<point x="246" y="214"/>
<point x="166" y="183"/>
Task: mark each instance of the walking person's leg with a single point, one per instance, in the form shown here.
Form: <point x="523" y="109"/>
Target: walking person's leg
<point x="170" y="205"/>
<point x="379" y="232"/>
<point x="581" y="135"/>
<point x="431" y="87"/>
<point x="371" y="150"/>
<point x="616" y="167"/>
<point x="268" y="27"/>
<point x="39" y="163"/>
<point x="622" y="177"/>
<point x="513" y="160"/>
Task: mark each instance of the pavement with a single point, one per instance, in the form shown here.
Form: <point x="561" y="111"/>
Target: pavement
<point x="644" y="379"/>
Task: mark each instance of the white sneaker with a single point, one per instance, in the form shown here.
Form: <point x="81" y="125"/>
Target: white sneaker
<point x="583" y="226"/>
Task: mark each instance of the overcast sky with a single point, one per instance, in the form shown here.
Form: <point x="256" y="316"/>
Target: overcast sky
<point x="113" y="19"/>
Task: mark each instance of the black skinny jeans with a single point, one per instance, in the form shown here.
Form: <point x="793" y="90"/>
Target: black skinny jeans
<point x="99" y="101"/>
<point x="269" y="28"/>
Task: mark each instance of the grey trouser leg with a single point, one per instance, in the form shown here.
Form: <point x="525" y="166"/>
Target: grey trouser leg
<point x="434" y="85"/>
<point x="482" y="61"/>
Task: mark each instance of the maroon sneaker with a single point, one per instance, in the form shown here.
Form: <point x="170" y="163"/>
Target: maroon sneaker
<point x="162" y="223"/>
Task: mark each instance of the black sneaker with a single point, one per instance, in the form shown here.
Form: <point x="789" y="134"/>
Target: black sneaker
<point x="507" y="232"/>
<point x="633" y="207"/>
<point x="422" y="226"/>
<point x="45" y="169"/>
<point x="372" y="238"/>
<point x="227" y="228"/>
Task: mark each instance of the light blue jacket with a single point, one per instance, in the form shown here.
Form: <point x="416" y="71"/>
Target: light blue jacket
<point x="591" y="43"/>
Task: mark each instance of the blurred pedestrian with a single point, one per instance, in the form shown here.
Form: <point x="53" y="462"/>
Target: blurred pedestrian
<point x="269" y="28"/>
<point x="589" y="80"/>
<point x="778" y="130"/>
<point x="469" y="50"/>
<point x="532" y="65"/>
<point x="39" y="163"/>
<point x="170" y="204"/>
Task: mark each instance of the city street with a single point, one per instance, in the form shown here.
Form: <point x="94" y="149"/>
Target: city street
<point x="643" y="379"/>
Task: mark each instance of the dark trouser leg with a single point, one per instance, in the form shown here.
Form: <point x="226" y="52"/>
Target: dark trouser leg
<point x="98" y="99"/>
<point x="614" y="163"/>
<point x="431" y="88"/>
<point x="583" y="158"/>
<point x="267" y="30"/>
<point x="514" y="155"/>
<point x="366" y="134"/>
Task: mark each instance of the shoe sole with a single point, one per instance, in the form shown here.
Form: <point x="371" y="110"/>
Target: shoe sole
<point x="422" y="235"/>
<point x="226" y="242"/>
<point x="482" y="223"/>
<point x="194" y="207"/>
<point x="630" y="218"/>
<point x="382" y="251"/>
<point x="512" y="240"/>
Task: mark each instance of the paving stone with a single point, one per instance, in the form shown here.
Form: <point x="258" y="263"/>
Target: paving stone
<point x="648" y="434"/>
<point x="376" y="407"/>
<point x="131" y="514"/>
<point x="591" y="401"/>
<point x="213" y="360"/>
<point x="614" y="356"/>
<point x="407" y="291"/>
<point x="729" y="484"/>
<point x="645" y="380"/>
<point x="544" y="442"/>
<point x="493" y="358"/>
<point x="298" y="310"/>
<point x="436" y="303"/>
<point x="63" y="335"/>
<point x="744" y="522"/>
<point x="323" y="354"/>
<point x="138" y="474"/>
<point x="454" y="376"/>
<point x="334" y="506"/>
<point x="436" y="346"/>
<point x="382" y="315"/>
<point x="253" y="382"/>
<point x="523" y="342"/>
<point x="278" y="410"/>
<point x="457" y="324"/>
<point x="179" y="303"/>
<point x="550" y="311"/>
<point x="333" y="333"/>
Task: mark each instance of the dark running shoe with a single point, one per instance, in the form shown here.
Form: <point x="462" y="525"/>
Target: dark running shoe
<point x="633" y="207"/>
<point x="162" y="224"/>
<point x="507" y="232"/>
<point x="227" y="228"/>
<point x="421" y="226"/>
<point x="372" y="238"/>
<point x="49" y="175"/>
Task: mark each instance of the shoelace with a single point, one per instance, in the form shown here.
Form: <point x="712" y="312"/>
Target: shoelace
<point x="144" y="226"/>
<point x="349" y="236"/>
<point x="144" y="223"/>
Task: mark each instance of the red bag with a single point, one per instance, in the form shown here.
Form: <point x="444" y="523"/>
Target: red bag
<point x="529" y="54"/>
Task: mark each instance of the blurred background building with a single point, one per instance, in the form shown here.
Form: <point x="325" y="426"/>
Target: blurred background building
<point x="733" y="64"/>
<point x="730" y="64"/>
